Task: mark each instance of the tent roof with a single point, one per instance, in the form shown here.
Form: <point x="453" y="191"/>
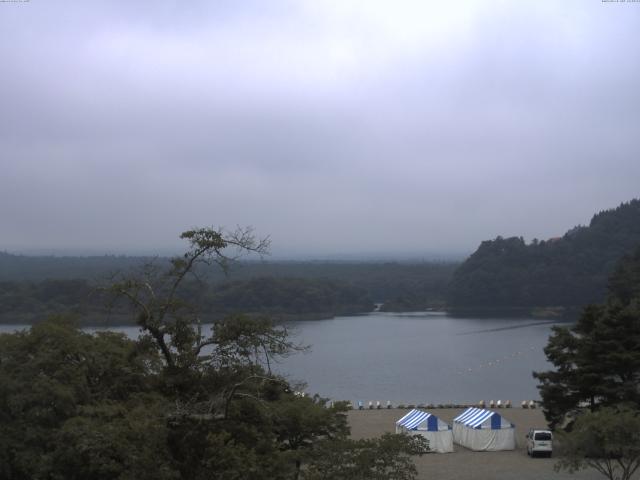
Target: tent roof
<point x="415" y="420"/>
<point x="476" y="417"/>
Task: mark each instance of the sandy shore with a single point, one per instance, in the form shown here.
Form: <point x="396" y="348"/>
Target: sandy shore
<point x="465" y="464"/>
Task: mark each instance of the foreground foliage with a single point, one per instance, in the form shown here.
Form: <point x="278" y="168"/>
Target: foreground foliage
<point x="73" y="405"/>
<point x="386" y="458"/>
<point x="607" y="440"/>
<point x="178" y="403"/>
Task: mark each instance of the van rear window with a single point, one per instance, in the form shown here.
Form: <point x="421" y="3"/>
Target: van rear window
<point x="542" y="436"/>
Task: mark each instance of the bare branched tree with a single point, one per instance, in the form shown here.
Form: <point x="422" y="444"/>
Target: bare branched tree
<point x="153" y="292"/>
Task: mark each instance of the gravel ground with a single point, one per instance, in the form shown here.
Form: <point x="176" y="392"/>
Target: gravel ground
<point x="465" y="464"/>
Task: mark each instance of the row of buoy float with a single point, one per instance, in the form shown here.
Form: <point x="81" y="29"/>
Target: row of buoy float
<point x="495" y="362"/>
<point x="481" y="404"/>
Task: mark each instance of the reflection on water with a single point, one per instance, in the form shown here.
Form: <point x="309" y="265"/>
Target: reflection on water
<point x="422" y="357"/>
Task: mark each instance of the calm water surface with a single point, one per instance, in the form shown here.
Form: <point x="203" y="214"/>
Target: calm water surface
<point x="414" y="358"/>
<point x="420" y="358"/>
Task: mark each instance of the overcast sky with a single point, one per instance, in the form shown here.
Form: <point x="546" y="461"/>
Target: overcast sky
<point x="334" y="126"/>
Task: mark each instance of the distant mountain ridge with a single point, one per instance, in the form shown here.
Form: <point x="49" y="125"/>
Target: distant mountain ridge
<point x="570" y="271"/>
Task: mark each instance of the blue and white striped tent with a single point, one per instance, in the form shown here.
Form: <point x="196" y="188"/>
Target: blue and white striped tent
<point x="437" y="432"/>
<point x="479" y="429"/>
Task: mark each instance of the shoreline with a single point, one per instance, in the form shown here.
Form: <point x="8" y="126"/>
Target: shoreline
<point x="120" y="319"/>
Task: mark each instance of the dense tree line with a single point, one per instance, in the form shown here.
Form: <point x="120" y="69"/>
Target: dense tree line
<point x="383" y="280"/>
<point x="283" y="289"/>
<point x="41" y="299"/>
<point x="291" y="296"/>
<point x="418" y="284"/>
<point x="280" y="297"/>
<point x="37" y="268"/>
<point x="570" y="271"/>
<point x="179" y="402"/>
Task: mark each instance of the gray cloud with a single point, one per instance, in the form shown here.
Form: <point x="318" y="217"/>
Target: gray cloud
<point x="335" y="127"/>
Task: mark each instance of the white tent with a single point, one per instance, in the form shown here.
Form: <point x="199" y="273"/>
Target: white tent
<point x="483" y="430"/>
<point x="437" y="432"/>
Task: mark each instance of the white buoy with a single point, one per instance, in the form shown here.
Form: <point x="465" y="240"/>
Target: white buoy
<point x="481" y="404"/>
<point x="492" y="404"/>
<point x="378" y="406"/>
<point x="370" y="405"/>
<point x="499" y="404"/>
<point x="532" y="404"/>
<point x="507" y="404"/>
<point x="525" y="404"/>
<point x="360" y="406"/>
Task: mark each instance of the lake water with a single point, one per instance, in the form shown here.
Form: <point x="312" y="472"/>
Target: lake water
<point x="415" y="358"/>
<point x="421" y="358"/>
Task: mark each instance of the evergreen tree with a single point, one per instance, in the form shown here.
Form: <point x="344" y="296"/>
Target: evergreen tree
<point x="597" y="361"/>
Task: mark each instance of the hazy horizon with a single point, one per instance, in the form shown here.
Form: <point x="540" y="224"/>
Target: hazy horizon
<point x="278" y="254"/>
<point x="340" y="129"/>
<point x="336" y="257"/>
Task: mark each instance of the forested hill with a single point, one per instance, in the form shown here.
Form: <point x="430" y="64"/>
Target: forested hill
<point x="570" y="271"/>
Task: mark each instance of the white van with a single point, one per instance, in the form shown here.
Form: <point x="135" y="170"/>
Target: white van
<point x="539" y="441"/>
